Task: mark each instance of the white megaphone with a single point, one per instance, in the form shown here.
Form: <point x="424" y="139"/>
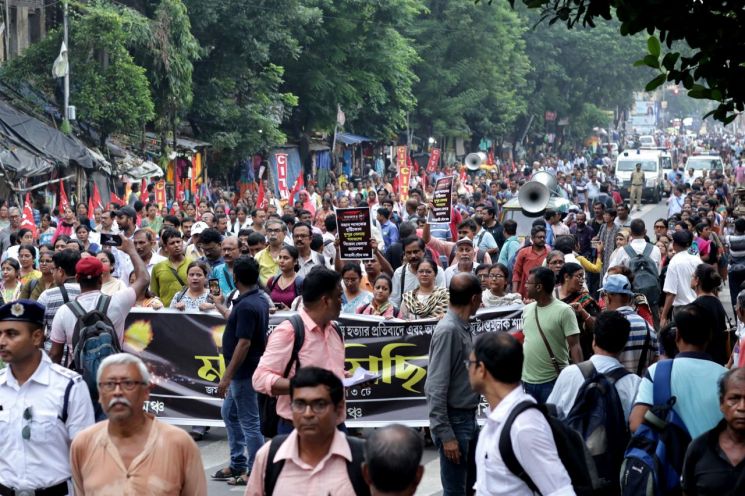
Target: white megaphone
<point x="474" y="160"/>
<point x="536" y="193"/>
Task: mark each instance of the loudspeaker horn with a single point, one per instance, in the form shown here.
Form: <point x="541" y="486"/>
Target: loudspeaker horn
<point x="536" y="193"/>
<point x="474" y="160"/>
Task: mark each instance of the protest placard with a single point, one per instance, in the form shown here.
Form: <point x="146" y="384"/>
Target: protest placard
<point x="442" y="201"/>
<point x="354" y="229"/>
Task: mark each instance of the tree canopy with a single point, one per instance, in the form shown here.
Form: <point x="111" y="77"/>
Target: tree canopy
<point x="715" y="66"/>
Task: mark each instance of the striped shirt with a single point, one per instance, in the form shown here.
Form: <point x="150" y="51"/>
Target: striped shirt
<point x="632" y="352"/>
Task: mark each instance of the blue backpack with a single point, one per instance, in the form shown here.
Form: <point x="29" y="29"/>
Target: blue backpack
<point x="653" y="462"/>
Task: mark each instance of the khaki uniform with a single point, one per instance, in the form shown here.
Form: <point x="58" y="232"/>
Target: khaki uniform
<point x="637" y="186"/>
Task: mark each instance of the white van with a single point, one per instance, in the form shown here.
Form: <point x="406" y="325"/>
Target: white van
<point x="654" y="163"/>
<point x="697" y="165"/>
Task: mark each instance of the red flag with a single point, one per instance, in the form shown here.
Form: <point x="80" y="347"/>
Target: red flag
<point x="143" y="192"/>
<point x="299" y="184"/>
<point x="115" y="199"/>
<point x="261" y="201"/>
<point x="28" y="216"/>
<point x="62" y="203"/>
<point x="91" y="206"/>
<point x="97" y="202"/>
<point x="179" y="190"/>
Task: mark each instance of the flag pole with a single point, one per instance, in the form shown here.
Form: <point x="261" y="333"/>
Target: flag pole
<point x="65" y="127"/>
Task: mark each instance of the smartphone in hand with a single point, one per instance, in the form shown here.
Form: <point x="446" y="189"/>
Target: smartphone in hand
<point x="214" y="287"/>
<point x="108" y="239"/>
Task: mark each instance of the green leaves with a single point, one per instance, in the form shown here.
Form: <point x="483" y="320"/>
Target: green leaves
<point x="655" y="83"/>
<point x="653" y="45"/>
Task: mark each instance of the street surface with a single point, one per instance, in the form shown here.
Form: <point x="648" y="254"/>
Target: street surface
<point x="214" y="448"/>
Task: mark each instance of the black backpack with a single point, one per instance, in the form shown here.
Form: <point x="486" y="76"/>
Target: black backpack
<point x="268" y="418"/>
<point x="354" y="468"/>
<point x="597" y="414"/>
<point x="93" y="340"/>
<point x="646" y="273"/>
<point x="570" y="447"/>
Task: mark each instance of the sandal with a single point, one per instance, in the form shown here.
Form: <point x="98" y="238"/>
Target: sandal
<point x="227" y="473"/>
<point x="239" y="481"/>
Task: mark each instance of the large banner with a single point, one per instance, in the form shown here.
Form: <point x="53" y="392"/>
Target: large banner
<point x="182" y="351"/>
<point x="284" y="190"/>
<point x="404" y="172"/>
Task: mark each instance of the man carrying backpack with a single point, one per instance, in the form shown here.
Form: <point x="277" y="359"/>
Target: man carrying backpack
<point x="73" y="321"/>
<point x="494" y="368"/>
<point x="596" y="396"/>
<point x="645" y="261"/>
<point x="315" y="457"/>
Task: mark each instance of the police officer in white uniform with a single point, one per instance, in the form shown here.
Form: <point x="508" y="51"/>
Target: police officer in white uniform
<point x="42" y="407"/>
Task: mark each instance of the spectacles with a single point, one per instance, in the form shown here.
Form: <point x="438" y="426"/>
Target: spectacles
<point x="468" y="363"/>
<point x="317" y="406"/>
<point x="352" y="280"/>
<point x="26" y="431"/>
<point x="497" y="276"/>
<point x="300" y="236"/>
<point x="126" y="385"/>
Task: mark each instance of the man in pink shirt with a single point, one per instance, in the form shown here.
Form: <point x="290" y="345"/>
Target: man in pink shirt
<point x="323" y="345"/>
<point x="316" y="457"/>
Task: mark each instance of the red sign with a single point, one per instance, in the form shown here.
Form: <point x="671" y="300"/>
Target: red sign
<point x="550" y="116"/>
<point x="160" y="193"/>
<point x="404" y="172"/>
<point x="284" y="191"/>
<point x="434" y="159"/>
<point x="27" y="221"/>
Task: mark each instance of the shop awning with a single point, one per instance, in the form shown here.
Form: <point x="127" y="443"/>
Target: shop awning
<point x="351" y="139"/>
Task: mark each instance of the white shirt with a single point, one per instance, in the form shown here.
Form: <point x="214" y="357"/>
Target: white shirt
<point x="571" y="379"/>
<point x="154" y="259"/>
<point x="44" y="459"/>
<point x="329" y="249"/>
<point x="121" y="304"/>
<point x="675" y="205"/>
<point x="620" y="257"/>
<point x="534" y="448"/>
<point x="679" y="274"/>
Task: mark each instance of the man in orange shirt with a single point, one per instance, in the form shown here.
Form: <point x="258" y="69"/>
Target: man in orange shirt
<point x="132" y="452"/>
<point x="528" y="258"/>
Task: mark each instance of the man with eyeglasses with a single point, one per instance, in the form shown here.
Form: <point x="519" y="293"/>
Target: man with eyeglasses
<point x="267" y="258"/>
<point x="132" y="452"/>
<point x="315" y="457"/>
<point x="302" y="235"/>
<point x="43" y="406"/>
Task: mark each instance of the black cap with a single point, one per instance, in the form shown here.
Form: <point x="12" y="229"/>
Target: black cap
<point x="23" y="311"/>
<point x="128" y="211"/>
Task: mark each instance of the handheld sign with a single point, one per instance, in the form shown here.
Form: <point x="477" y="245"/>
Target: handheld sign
<point x="442" y="201"/>
<point x="355" y="231"/>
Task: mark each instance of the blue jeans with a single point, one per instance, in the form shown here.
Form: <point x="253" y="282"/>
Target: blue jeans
<point x="240" y="412"/>
<point x="540" y="392"/>
<point x="458" y="478"/>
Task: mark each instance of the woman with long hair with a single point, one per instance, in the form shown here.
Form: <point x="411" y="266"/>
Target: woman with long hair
<point x="380" y="304"/>
<point x="353" y="296"/>
<point x="82" y="232"/>
<point x="571" y="291"/>
<point x="111" y="284"/>
<point x="65" y="226"/>
<point x="22" y="237"/>
<point x="195" y="295"/>
<point x="706" y="282"/>
<point x="60" y="244"/>
<point x="34" y="287"/>
<point x="286" y="286"/>
<point x="496" y="295"/>
<point x="427" y="301"/>
<point x="11" y="284"/>
<point x="27" y="261"/>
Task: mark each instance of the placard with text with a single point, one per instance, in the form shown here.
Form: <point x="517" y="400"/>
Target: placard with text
<point x="355" y="232"/>
<point x="442" y="201"/>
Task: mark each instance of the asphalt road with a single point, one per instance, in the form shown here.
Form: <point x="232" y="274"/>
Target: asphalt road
<point x="214" y="447"/>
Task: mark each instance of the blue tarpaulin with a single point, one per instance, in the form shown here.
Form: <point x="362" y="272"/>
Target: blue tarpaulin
<point x="351" y="139"/>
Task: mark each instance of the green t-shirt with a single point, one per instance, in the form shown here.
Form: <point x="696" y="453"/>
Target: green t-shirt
<point x="558" y="321"/>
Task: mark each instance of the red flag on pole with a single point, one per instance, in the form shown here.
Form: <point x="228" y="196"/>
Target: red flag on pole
<point x="299" y="184"/>
<point x="261" y="200"/>
<point x="97" y="202"/>
<point x="143" y="192"/>
<point x="91" y="207"/>
<point x="62" y="203"/>
<point x="27" y="220"/>
<point x="116" y="200"/>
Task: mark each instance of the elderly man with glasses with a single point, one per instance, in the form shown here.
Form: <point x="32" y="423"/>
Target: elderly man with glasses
<point x="132" y="452"/>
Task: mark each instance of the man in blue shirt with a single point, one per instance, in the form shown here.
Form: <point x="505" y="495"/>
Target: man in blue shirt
<point x="387" y="228"/>
<point x="243" y="343"/>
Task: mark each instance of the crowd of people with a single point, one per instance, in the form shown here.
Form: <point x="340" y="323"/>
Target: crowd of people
<point x="603" y="295"/>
